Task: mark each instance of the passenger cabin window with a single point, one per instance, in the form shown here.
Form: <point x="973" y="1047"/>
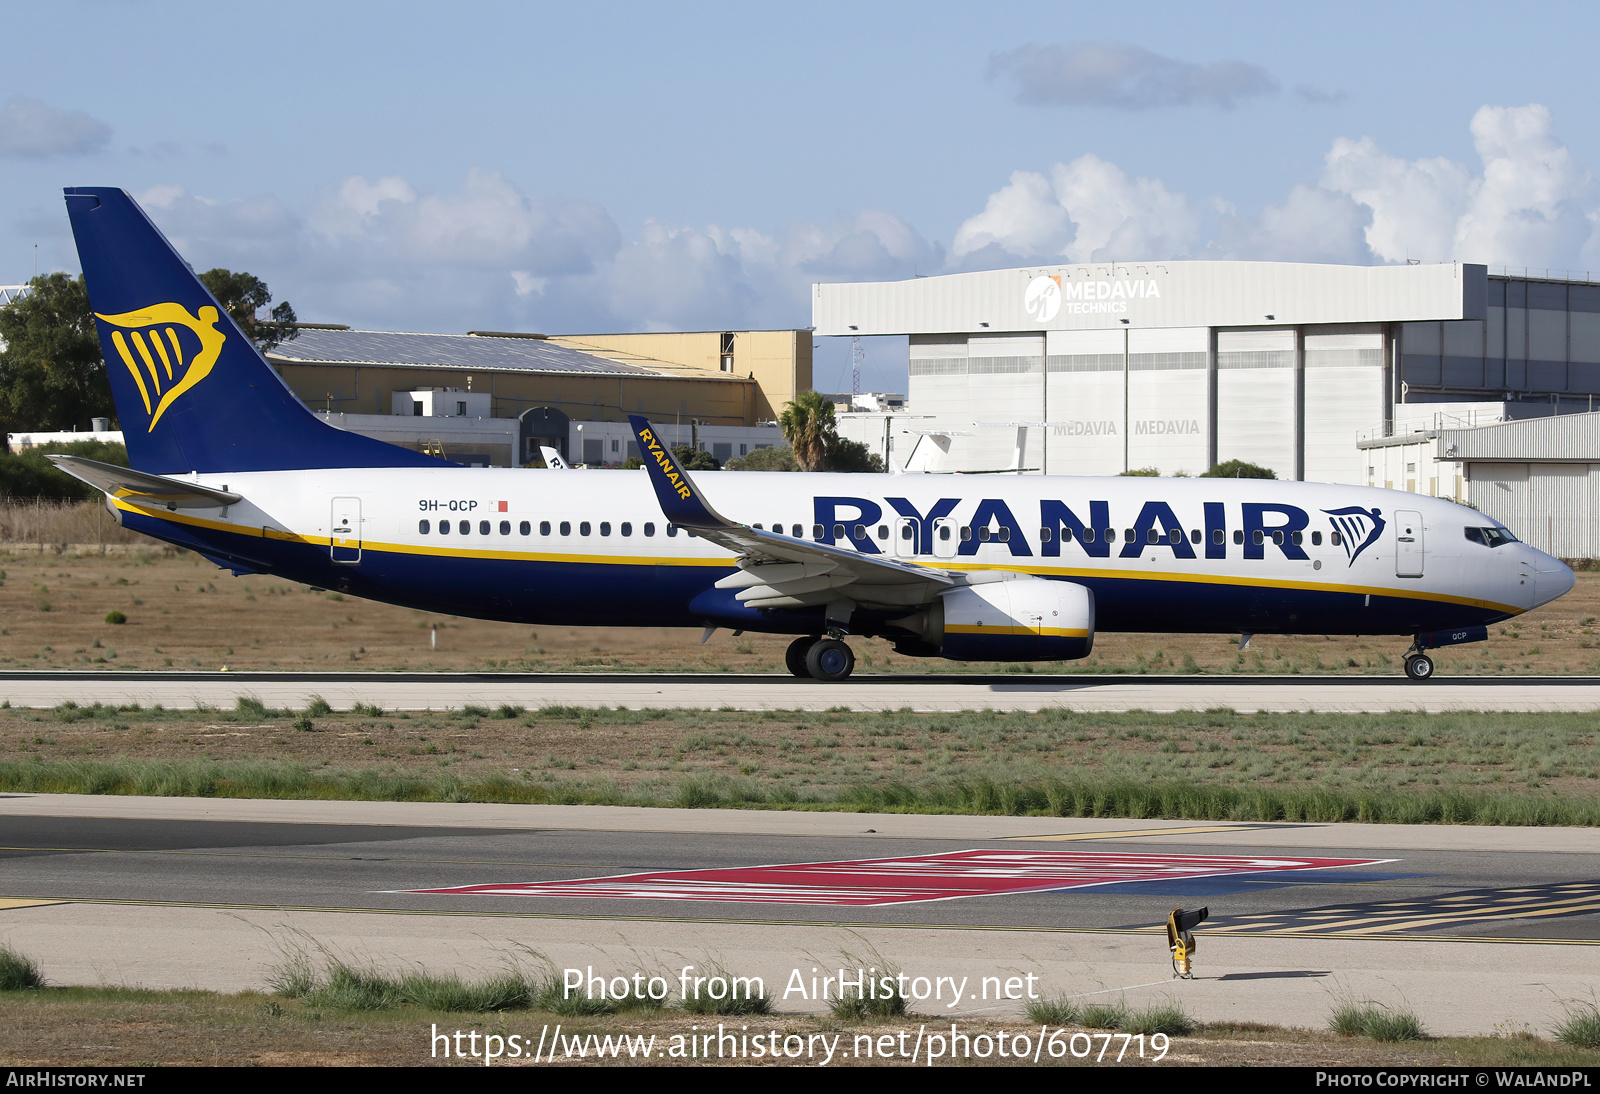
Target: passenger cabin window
<point x="544" y="528"/>
<point x="483" y="527"/>
<point x="422" y="526"/>
<point x="838" y="531"/>
<point x="1216" y="536"/>
<point x="795" y="531"/>
<point x="583" y="528"/>
<point x="1277" y="536"/>
<point x="1238" y="537"/>
<point x="465" y="527"/>
<point x="627" y="529"/>
<point x="1045" y="536"/>
<point x="1256" y="537"/>
<point x="566" y="527"/>
<point x="816" y="532"/>
<point x="505" y="528"/>
<point x="1111" y="535"/>
<point x="1194" y="535"/>
<point x="525" y="528"/>
<point x="883" y="531"/>
<point x="1316" y="539"/>
<point x="966" y="533"/>
<point x="444" y="528"/>
<point x="649" y="529"/>
<point x="1336" y="539"/>
<point x="672" y="531"/>
<point x="983" y="535"/>
<point x="1175" y="536"/>
<point x="944" y="533"/>
<point x="605" y="528"/>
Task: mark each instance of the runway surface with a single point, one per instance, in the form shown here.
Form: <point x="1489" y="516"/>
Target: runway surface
<point x="1471" y="927"/>
<point x="420" y="691"/>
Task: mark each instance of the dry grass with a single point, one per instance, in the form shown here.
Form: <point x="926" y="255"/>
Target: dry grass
<point x="184" y="613"/>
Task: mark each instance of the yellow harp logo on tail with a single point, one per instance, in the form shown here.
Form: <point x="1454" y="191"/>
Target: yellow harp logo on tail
<point x="159" y="352"/>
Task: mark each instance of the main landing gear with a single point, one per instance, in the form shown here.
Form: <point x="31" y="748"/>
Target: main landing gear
<point x="819" y="658"/>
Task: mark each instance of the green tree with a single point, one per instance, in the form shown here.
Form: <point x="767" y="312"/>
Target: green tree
<point x="243" y="295"/>
<point x="1239" y="469"/>
<point x="778" y="458"/>
<point x="51" y="372"/>
<point x="1141" y="473"/>
<point x="853" y="456"/>
<point x="695" y="459"/>
<point x="27" y="474"/>
<point x="808" y="425"/>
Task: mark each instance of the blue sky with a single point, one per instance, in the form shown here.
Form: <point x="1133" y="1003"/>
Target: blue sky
<point x="647" y="166"/>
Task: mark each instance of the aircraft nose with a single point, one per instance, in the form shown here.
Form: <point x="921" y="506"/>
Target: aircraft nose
<point x="1556" y="578"/>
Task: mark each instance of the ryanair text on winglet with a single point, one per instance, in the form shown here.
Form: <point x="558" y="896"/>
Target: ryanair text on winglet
<point x="653" y="446"/>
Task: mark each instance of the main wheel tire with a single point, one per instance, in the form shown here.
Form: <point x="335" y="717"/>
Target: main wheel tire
<point x="1419" y="667"/>
<point x="795" y="656"/>
<point x="830" y="659"/>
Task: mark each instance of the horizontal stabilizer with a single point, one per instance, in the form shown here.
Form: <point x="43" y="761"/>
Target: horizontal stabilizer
<point x="121" y="482"/>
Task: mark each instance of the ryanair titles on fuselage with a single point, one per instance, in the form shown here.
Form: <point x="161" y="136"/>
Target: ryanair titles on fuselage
<point x="1091" y="529"/>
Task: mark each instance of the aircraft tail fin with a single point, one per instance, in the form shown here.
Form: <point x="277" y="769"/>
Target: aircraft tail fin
<point x="680" y="499"/>
<point x="192" y="392"/>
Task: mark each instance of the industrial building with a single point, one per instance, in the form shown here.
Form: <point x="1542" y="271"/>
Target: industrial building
<point x="495" y="398"/>
<point x="1104" y="368"/>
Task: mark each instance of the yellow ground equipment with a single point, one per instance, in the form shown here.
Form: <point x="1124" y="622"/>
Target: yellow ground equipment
<point x="1180" y="939"/>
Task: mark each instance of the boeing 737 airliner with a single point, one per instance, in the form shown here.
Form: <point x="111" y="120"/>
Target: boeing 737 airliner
<point x="229" y="463"/>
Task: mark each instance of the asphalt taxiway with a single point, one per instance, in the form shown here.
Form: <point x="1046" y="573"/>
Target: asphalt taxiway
<point x="1474" y="928"/>
<point x="951" y="692"/>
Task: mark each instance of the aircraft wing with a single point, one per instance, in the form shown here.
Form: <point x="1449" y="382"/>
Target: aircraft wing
<point x="779" y="571"/>
<point x="121" y="482"/>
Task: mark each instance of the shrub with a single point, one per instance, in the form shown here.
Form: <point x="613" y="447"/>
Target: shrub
<point x="1167" y="1018"/>
<point x="1060" y="1011"/>
<point x="116" y="618"/>
<point x="1580" y="1028"/>
<point x="18" y="973"/>
<point x="1369" y="1019"/>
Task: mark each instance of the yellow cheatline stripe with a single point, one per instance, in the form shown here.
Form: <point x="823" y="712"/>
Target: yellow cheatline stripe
<point x="650" y="560"/>
<point x="1398" y="921"/>
<point x="1047" y="632"/>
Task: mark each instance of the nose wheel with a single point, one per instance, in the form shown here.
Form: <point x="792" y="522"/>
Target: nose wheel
<point x="1419" y="667"/>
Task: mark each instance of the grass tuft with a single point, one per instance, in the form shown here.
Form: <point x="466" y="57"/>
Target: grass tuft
<point x="1060" y="1011"/>
<point x="1168" y="1018"/>
<point x="1580" y="1028"/>
<point x="1103" y="1016"/>
<point x="17" y="972"/>
<point x="721" y="992"/>
<point x="1369" y="1019"/>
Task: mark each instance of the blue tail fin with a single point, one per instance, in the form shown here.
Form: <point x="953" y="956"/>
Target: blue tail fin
<point x="192" y="392"/>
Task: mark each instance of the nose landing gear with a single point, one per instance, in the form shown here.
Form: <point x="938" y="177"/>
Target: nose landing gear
<point x="1419" y="666"/>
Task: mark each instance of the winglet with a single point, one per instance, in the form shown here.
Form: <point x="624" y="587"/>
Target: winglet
<point x="680" y="499"/>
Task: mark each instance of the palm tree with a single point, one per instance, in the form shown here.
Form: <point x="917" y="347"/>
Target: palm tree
<point x="808" y="426"/>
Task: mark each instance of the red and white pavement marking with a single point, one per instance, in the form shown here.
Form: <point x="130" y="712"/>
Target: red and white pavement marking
<point x="908" y="880"/>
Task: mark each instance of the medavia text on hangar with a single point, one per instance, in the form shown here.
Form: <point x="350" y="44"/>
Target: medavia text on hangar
<point x="1181" y="365"/>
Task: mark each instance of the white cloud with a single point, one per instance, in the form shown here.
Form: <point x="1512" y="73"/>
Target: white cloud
<point x="1087" y="209"/>
<point x="1415" y="203"/>
<point x="1526" y="205"/>
<point x="33" y="129"/>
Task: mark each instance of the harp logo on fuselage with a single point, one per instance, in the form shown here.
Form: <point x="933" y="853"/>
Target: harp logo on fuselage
<point x="163" y="360"/>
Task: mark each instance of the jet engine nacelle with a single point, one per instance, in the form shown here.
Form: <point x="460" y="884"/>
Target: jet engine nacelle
<point x="1026" y="619"/>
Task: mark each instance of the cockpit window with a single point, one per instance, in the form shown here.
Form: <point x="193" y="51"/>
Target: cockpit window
<point x="1490" y="537"/>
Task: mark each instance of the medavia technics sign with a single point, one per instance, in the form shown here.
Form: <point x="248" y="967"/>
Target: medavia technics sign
<point x="1152" y="294"/>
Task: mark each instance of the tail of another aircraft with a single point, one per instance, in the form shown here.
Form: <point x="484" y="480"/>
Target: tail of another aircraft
<point x="192" y="392"/>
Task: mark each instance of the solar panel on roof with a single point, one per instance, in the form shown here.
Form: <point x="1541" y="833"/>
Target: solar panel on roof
<point x="365" y="347"/>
